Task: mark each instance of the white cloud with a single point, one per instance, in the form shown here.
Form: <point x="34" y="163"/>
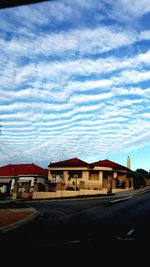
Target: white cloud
<point x="144" y="35"/>
<point x="132" y="91"/>
<point x="128" y="10"/>
<point x="91" y="98"/>
<point x="65" y="69"/>
<point x="83" y="41"/>
<point x="144" y="58"/>
<point x="132" y="77"/>
<point x="89" y="85"/>
<point x="73" y="90"/>
<point x="35" y="106"/>
<point x="134" y="7"/>
<point x="145" y="115"/>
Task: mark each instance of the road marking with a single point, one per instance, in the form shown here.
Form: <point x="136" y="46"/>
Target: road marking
<point x="130" y="232"/>
<point x="127" y="236"/>
<point x="72" y="241"/>
<point x="120" y="199"/>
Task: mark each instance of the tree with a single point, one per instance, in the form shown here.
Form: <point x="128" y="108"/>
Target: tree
<point x="139" y="177"/>
<point x="143" y="173"/>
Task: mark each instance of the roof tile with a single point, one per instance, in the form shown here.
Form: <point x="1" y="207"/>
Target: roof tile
<point x="109" y="163"/>
<point x="22" y="169"/>
<point x="73" y="162"/>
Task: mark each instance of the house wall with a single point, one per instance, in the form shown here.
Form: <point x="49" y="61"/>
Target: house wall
<point x="85" y="176"/>
<point x="91" y="179"/>
<point x="122" y="177"/>
<point x="94" y="177"/>
<point x="147" y="181"/>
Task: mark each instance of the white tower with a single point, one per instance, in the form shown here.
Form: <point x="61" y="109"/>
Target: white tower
<point x="128" y="162"/>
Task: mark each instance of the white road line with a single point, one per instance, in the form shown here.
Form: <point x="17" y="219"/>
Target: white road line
<point x="127" y="236"/>
<point x="130" y="232"/>
<point x="120" y="199"/>
<point x="73" y="241"/>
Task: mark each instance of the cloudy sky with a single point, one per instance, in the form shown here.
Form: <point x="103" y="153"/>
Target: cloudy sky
<point x="75" y="82"/>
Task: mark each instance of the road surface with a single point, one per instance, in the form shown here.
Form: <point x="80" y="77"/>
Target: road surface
<point x="81" y="223"/>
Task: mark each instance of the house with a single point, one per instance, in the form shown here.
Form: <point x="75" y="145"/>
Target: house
<point x="112" y="174"/>
<point x="77" y="174"/>
<point x="24" y="175"/>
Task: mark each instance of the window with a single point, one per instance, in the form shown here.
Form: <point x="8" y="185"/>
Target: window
<point x="57" y="174"/>
<point x="75" y="174"/>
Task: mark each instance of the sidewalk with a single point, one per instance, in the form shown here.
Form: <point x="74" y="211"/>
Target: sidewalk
<point x="12" y="217"/>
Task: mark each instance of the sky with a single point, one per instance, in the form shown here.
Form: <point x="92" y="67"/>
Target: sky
<point x="75" y="82"/>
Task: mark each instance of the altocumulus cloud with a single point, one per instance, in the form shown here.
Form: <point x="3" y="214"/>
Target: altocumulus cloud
<point x="74" y="80"/>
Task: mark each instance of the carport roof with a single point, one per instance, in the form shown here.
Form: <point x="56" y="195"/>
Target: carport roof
<point x="5" y="181"/>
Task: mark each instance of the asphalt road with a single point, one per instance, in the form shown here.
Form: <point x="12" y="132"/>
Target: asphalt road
<point x="76" y="224"/>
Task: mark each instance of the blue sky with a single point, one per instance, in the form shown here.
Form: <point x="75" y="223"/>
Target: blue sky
<point x="75" y="82"/>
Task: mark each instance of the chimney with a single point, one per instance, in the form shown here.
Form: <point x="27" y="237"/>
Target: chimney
<point x="128" y="163"/>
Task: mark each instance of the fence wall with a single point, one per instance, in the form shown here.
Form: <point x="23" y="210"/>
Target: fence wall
<point x="71" y="193"/>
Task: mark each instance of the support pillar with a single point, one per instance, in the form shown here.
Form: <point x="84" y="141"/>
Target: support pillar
<point x="101" y="179"/>
<point x="27" y="188"/>
<point x="36" y="186"/>
<point x="131" y="183"/>
<point x="46" y="187"/>
<point x="127" y="183"/>
<point x="109" y="186"/>
<point x="15" y="190"/>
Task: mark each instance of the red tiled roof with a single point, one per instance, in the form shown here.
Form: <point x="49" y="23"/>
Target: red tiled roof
<point x="109" y="163"/>
<point x="22" y="169"/>
<point x="74" y="162"/>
